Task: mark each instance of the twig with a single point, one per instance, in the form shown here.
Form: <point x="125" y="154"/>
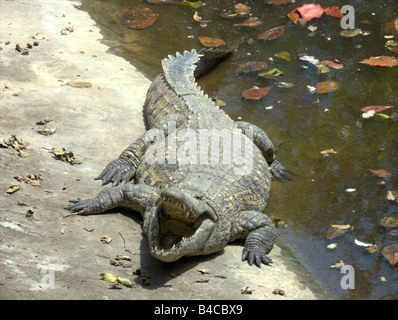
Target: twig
<point x="124" y="241"/>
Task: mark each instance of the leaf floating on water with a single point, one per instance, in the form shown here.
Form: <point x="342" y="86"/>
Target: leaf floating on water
<point x="293" y="15"/>
<point x="283" y="55"/>
<point x="328" y="151"/>
<point x="241" y="9"/>
<point x="309" y="11"/>
<point x="349" y="33"/>
<point x="338" y="265"/>
<point x="391" y="28"/>
<point x="195" y="4"/>
<point x="389" y="222"/>
<point x="272" y="33"/>
<point x="375" y="108"/>
<point x="271" y="74"/>
<point x="384" y="116"/>
<point x="332" y="233"/>
<point x="390" y="252"/>
<point x="326" y="86"/>
<point x="211" y="42"/>
<point x="161" y="1"/>
<point x="332" y="246"/>
<point x="381" y="61"/>
<point x="333" y="11"/>
<point x="322" y="68"/>
<point x="362" y="244"/>
<point x="381" y="173"/>
<point x="310" y="59"/>
<point x="252" y="66"/>
<point x="392" y="195"/>
<point x="335" y="64"/>
<point x="255" y="93"/>
<point x="341" y="226"/>
<point x="251" y="22"/>
<point x="282" y="84"/>
<point x="137" y="18"/>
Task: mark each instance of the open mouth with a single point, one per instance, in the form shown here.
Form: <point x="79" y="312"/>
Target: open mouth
<point x="179" y="226"/>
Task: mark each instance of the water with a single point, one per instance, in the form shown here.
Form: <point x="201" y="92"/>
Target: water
<point x="302" y="124"/>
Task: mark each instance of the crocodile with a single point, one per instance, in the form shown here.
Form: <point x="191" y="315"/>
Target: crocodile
<point x="199" y="179"/>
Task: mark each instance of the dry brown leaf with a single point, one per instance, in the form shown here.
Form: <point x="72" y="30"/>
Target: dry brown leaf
<point x="390" y="252"/>
<point x="389" y="222"/>
<point x="326" y="86"/>
<point x="211" y="42"/>
<point x="381" y="173"/>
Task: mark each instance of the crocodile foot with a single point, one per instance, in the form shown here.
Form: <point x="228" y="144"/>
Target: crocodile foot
<point x="116" y="172"/>
<point x="256" y="256"/>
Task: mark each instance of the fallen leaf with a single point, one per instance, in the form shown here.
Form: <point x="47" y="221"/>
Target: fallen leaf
<point x="332" y="246"/>
<point x="137" y="18"/>
<point x="282" y="84"/>
<point x="310" y="59"/>
<point x="272" y="33"/>
<point x="46" y="131"/>
<point x="108" y="277"/>
<point x="279" y="292"/>
<point x="44" y="121"/>
<point x="341" y="226"/>
<point x="252" y="66"/>
<point x="350" y="190"/>
<point x="392" y="195"/>
<point x="362" y="244"/>
<point x="124" y="281"/>
<point x="326" y="86"/>
<point x="349" y="33"/>
<point x="310" y="11"/>
<point x="333" y="11"/>
<point x="322" y="68"/>
<point x="339" y="264"/>
<point x="201" y="280"/>
<point x="79" y="84"/>
<point x="390" y="252"/>
<point x="203" y="270"/>
<point x="64" y="155"/>
<point x="271" y="74"/>
<point x="389" y="222"/>
<point x="13" y="188"/>
<point x="246" y="290"/>
<point x="381" y="173"/>
<point x="328" y="151"/>
<point x="335" y="64"/>
<point x="106" y="239"/>
<point x="255" y="93"/>
<point x="283" y="55"/>
<point x="384" y="116"/>
<point x="381" y="61"/>
<point x="368" y="114"/>
<point x="198" y="18"/>
<point x="251" y="22"/>
<point x="192" y="4"/>
<point x="372" y="249"/>
<point x="241" y="9"/>
<point x="391" y="28"/>
<point x="293" y="15"/>
<point x="39" y="36"/>
<point x="33" y="179"/>
<point x="332" y="233"/>
<point x="161" y="1"/>
<point x="375" y="108"/>
<point x="211" y="42"/>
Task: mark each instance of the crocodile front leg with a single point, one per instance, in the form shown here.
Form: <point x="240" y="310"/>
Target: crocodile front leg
<point x="123" y="168"/>
<point x="260" y="235"/>
<point x="264" y="143"/>
<point x="137" y="197"/>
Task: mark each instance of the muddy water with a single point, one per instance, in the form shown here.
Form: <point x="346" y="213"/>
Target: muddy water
<point x="304" y="125"/>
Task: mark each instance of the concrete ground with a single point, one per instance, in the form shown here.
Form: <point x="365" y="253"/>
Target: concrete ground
<point x="47" y="256"/>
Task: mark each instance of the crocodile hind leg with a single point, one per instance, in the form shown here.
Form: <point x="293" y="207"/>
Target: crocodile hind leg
<point x="137" y="197"/>
<point x="264" y="143"/>
<point x="260" y="235"/>
<point x="123" y="168"/>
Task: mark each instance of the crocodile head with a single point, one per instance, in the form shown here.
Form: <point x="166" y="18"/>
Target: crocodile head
<point x="183" y="223"/>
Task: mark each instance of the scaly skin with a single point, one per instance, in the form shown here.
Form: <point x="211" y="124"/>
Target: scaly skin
<point x="193" y="206"/>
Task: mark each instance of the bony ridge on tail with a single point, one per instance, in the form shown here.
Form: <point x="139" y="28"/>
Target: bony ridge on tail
<point x="195" y="198"/>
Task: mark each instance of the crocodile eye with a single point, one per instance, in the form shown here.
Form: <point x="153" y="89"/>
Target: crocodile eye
<point x="198" y="197"/>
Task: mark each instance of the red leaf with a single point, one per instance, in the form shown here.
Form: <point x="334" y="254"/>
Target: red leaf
<point x="255" y="93"/>
<point x="137" y="17"/>
<point x="251" y="22"/>
<point x="333" y="11"/>
<point x="272" y="33"/>
<point x="252" y="66"/>
<point x="310" y="11"/>
<point x="293" y="15"/>
<point x="336" y="64"/>
<point x="375" y="108"/>
<point x="211" y="42"/>
<point x="326" y="86"/>
<point x="381" y="61"/>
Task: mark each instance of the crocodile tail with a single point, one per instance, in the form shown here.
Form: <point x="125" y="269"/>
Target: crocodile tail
<point x="180" y="71"/>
